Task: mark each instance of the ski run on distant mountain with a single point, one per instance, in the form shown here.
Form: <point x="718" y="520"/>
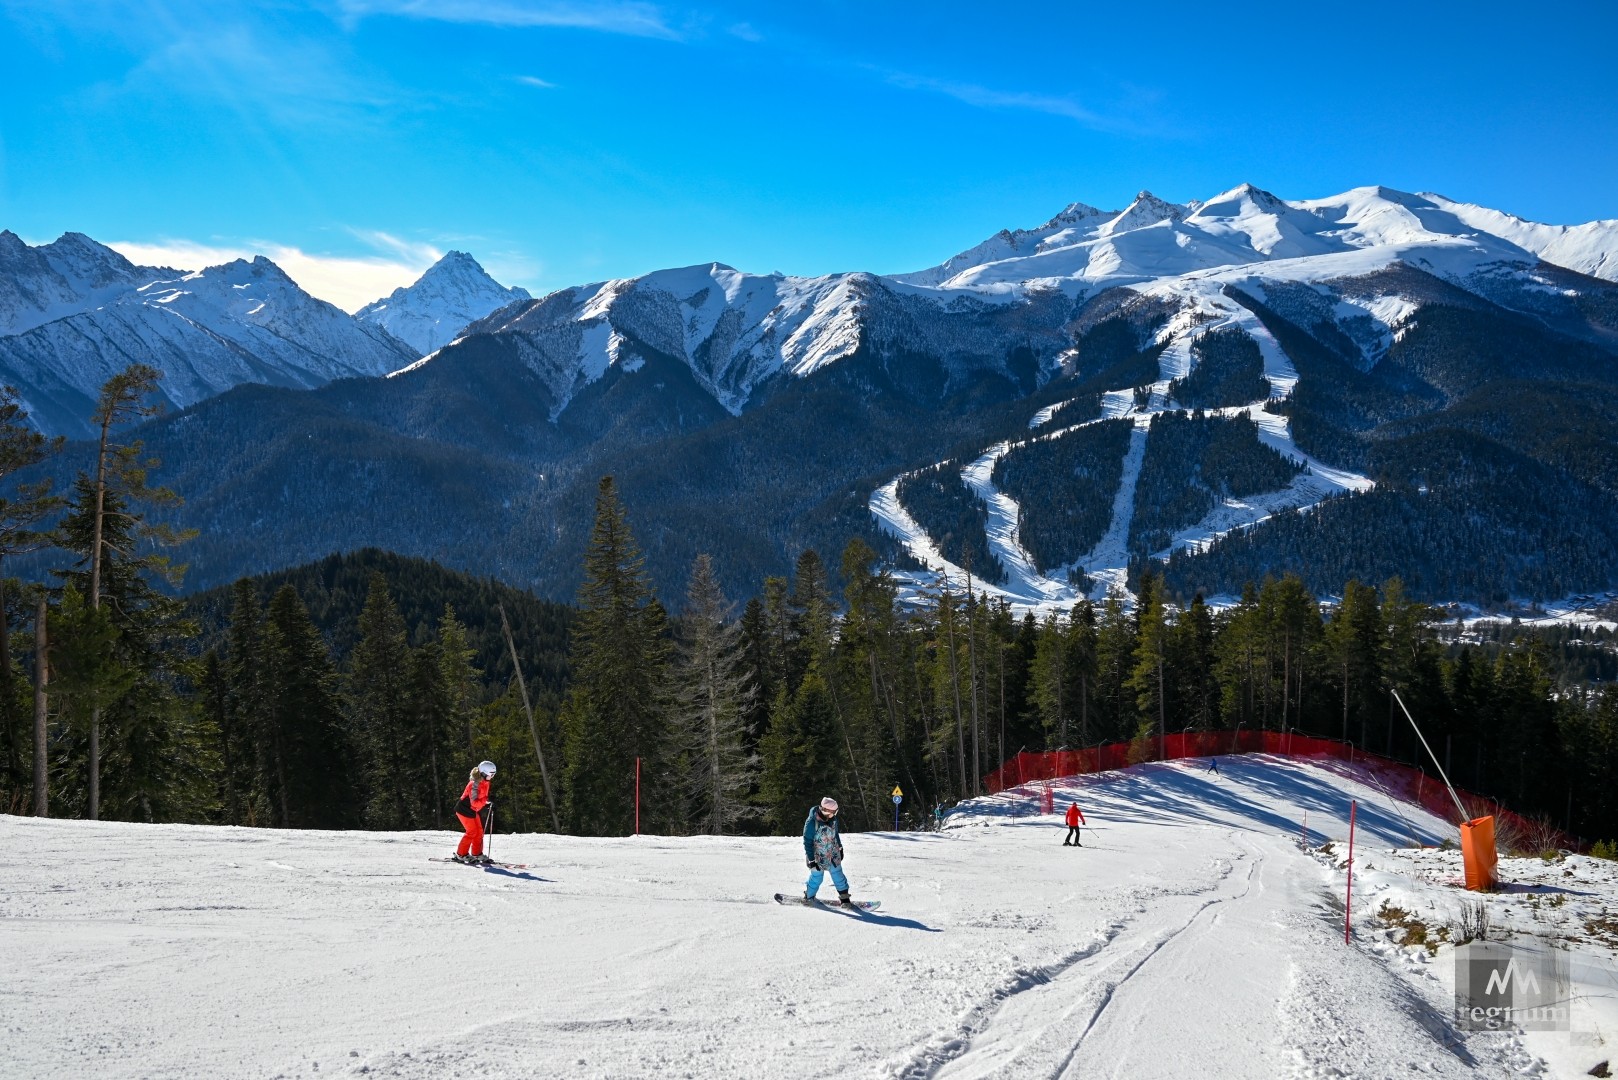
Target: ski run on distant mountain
<point x="1306" y="386"/>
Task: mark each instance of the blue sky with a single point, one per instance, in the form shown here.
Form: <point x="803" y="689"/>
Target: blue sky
<point x="353" y="140"/>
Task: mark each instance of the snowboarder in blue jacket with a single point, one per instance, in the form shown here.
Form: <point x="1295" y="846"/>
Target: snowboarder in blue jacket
<point x="823" y="850"/>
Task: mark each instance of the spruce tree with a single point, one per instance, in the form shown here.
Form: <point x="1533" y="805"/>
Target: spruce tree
<point x="1352" y="639"/>
<point x="1149" y="674"/>
<point x="162" y="758"/>
<point x="1049" y="676"/>
<point x="105" y="504"/>
<point x="460" y="678"/>
<point x="23" y="510"/>
<point x="396" y="749"/>
<point x="713" y="697"/>
<point x="312" y="765"/>
<point x="800" y="754"/>
<point x="618" y="661"/>
<point x="1115" y="663"/>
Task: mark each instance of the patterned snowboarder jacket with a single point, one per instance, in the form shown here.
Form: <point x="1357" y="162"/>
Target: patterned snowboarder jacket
<point x="822" y="841"/>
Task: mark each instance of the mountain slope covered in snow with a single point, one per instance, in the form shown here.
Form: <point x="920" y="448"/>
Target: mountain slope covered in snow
<point x="1390" y="383"/>
<point x="1190" y="935"/>
<point x="242" y="322"/>
<point x="71" y="274"/>
<point x="429" y="313"/>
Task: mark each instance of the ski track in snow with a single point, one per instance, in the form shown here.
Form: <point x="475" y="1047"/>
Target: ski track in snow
<point x="1189" y="936"/>
<point x="1107" y="564"/>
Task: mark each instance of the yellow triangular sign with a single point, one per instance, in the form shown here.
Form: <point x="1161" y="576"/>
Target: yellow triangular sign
<point x="897" y="794"/>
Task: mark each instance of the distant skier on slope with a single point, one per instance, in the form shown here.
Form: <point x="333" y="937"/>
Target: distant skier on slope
<point x="1075" y="818"/>
<point x="823" y="849"/>
<point x="476" y="813"/>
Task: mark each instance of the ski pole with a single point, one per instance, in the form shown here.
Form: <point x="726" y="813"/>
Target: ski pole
<point x="488" y="840"/>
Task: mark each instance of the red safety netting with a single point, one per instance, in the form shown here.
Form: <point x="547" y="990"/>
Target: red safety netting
<point x="1404" y="781"/>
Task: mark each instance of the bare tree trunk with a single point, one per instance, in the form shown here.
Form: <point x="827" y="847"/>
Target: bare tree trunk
<point x="42" y="674"/>
<point x="972" y="665"/>
<point x="955" y="685"/>
<point x="95" y="603"/>
<point x="8" y="695"/>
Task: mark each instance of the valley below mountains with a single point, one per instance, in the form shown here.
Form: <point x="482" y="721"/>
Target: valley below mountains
<point x="1373" y="384"/>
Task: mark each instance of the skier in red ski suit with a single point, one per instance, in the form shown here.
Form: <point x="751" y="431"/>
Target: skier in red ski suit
<point x="475" y="811"/>
<point x="1075" y="818"/>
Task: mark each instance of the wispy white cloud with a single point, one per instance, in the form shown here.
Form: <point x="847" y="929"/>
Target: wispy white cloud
<point x="349" y="281"/>
<point x="533" y="80"/>
<point x="746" y="32"/>
<point x="988" y="98"/>
<point x="608" y="16"/>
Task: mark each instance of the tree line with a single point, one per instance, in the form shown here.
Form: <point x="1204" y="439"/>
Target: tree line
<point x="719" y="721"/>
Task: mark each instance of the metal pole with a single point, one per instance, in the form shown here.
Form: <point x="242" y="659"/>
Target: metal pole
<point x="637" y="796"/>
<point x="1464" y="815"/>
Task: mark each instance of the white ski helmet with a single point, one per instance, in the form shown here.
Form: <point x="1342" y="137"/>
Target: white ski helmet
<point x="828" y="806"/>
<point x="486" y="768"/>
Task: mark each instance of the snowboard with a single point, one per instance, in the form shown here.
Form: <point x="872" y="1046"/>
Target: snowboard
<point x="501" y="865"/>
<point x="858" y="905"/>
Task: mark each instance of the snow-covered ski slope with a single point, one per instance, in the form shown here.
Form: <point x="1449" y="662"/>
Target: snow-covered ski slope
<point x="1203" y="308"/>
<point x="1190" y="936"/>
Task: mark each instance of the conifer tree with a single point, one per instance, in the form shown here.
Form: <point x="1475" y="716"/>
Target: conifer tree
<point x="385" y="721"/>
<point x="711" y="704"/>
<point x="1192" y="646"/>
<point x="1236" y="660"/>
<point x="104" y="514"/>
<point x="162" y="758"/>
<point x="23" y="510"/>
<point x="1115" y="663"/>
<point x="800" y="753"/>
<point x="1148" y="677"/>
<point x="247" y="754"/>
<point x="1352" y="639"/>
<point x="755" y="633"/>
<point x="618" y="660"/>
<point x="1049" y="676"/>
<point x="459" y="677"/>
<point x="310" y="762"/>
<point x="1082" y="656"/>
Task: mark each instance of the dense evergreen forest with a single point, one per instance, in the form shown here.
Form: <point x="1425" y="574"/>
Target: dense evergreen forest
<point x="357" y="691"/>
<point x="1193" y="461"/>
<point x="1064" y="487"/>
<point x="1229" y="371"/>
<point x="953" y="515"/>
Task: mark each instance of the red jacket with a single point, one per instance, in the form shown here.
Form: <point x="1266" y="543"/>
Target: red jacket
<point x="1074" y="817"/>
<point x="474" y="798"/>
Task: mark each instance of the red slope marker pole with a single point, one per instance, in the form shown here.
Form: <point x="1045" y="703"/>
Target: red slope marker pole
<point x="1348" y="898"/>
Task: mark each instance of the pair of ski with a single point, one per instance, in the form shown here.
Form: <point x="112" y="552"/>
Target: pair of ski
<point x="501" y="865"/>
<point x="855" y="906"/>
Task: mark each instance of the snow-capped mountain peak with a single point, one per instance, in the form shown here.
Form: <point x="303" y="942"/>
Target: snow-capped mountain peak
<point x="1145" y="211"/>
<point x="70" y="274"/>
<point x="453" y="293"/>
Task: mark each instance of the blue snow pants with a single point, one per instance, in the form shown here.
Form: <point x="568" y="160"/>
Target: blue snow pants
<point x="816" y="876"/>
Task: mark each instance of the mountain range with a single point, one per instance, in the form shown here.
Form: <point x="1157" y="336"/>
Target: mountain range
<point x="74" y="312"/>
<point x="1369" y="383"/>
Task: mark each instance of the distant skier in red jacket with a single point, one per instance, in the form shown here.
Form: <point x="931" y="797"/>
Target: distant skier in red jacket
<point x="1075" y="818"/>
<point x="475" y="811"/>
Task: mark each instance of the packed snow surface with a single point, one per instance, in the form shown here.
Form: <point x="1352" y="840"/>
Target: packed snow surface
<point x="1191" y="935"/>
